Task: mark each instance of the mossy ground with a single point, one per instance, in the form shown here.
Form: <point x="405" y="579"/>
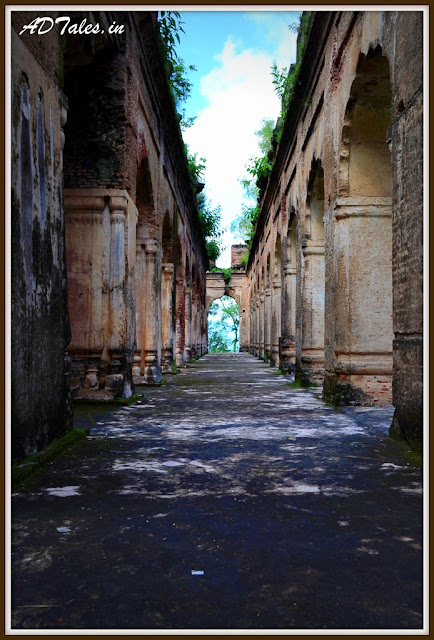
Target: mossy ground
<point x="27" y="468"/>
<point x="122" y="402"/>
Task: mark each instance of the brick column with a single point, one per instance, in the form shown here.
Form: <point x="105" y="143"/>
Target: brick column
<point x="287" y="338"/>
<point x="166" y="316"/>
<point x="152" y="344"/>
<point x="267" y="324"/>
<point x="180" y="323"/>
<point x="261" y="345"/>
<point x="275" y="323"/>
<point x="188" y="322"/>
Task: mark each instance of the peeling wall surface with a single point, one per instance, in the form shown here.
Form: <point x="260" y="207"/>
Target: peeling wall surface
<point x="335" y="270"/>
<point x="108" y="256"/>
<point x="39" y="326"/>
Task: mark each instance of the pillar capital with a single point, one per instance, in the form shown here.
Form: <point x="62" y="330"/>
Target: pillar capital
<point x="83" y="209"/>
<point x="168" y="267"/>
<point x="118" y="204"/>
<point x="289" y="270"/>
<point x="151" y="246"/>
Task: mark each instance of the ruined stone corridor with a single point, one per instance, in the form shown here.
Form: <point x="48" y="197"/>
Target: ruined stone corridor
<point x="226" y="499"/>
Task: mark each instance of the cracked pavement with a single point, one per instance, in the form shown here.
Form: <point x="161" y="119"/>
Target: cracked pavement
<point x="226" y="499"/>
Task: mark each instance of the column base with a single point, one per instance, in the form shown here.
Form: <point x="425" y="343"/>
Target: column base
<point x="166" y="361"/>
<point x="287" y="354"/>
<point x="180" y="360"/>
<point x="364" y="389"/>
<point x="95" y="379"/>
<point x="310" y="370"/>
<point x="274" y="358"/>
<point x="360" y="378"/>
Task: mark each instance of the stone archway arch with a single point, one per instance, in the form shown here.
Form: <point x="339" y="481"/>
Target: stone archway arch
<point x="237" y="287"/>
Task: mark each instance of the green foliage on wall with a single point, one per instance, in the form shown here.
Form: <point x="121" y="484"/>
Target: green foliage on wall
<point x="258" y="168"/>
<point x="285" y="80"/>
<point x="170" y="28"/>
<point x="210" y="220"/>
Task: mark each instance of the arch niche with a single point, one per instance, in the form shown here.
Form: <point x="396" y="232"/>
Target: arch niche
<point x="362" y="359"/>
<point x="310" y="367"/>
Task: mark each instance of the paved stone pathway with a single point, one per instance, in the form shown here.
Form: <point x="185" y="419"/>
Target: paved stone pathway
<point x="225" y="500"/>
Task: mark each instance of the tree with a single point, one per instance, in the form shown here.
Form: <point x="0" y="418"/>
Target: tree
<point x="230" y="313"/>
<point x="210" y="220"/>
<point x="244" y="225"/>
<point x="227" y="321"/>
<point x="217" y="339"/>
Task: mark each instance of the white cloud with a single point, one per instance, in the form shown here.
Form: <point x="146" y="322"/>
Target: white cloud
<point x="240" y="94"/>
<point x="275" y="29"/>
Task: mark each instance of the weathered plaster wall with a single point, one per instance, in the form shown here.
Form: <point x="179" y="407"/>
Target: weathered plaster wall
<point x="39" y="318"/>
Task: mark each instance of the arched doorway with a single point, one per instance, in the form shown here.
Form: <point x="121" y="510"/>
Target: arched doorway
<point x="363" y="335"/>
<point x="223" y="325"/>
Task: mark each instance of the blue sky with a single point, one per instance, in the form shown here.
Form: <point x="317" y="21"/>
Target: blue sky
<point x="207" y="31"/>
<point x="232" y="92"/>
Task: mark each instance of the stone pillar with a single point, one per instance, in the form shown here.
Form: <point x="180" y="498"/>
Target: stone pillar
<point x="252" y="329"/>
<point x="196" y="317"/>
<point x="287" y="338"/>
<point x="361" y="369"/>
<point x="180" y="323"/>
<point x="86" y="264"/>
<point x="166" y="317"/>
<point x="188" y="321"/>
<point x="204" y="329"/>
<point x="152" y="346"/>
<point x="267" y="325"/>
<point x="117" y="310"/>
<point x="258" y="325"/>
<point x="261" y="345"/>
<point x="139" y="355"/>
<point x="97" y="247"/>
<point x="312" y="346"/>
<point x="275" y="323"/>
